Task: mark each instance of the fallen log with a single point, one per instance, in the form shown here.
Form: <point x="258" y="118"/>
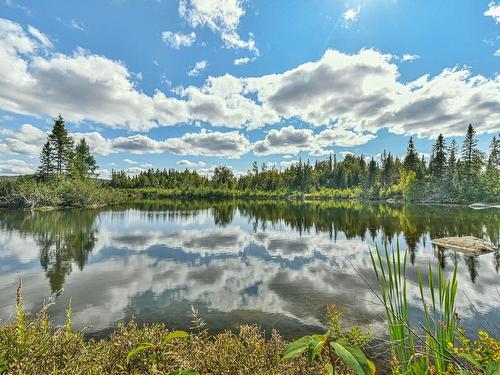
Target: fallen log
<point x="468" y="245"/>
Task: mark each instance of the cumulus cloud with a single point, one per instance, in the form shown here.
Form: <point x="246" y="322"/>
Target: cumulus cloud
<point x="14" y="167"/>
<point x="191" y="164"/>
<point x="82" y="85"/>
<point x="129" y="161"/>
<point x="27" y="140"/>
<point x="493" y="11"/>
<point x="224" y="144"/>
<point x="360" y="92"/>
<point x="41" y="37"/>
<point x="178" y="40"/>
<point x="198" y="68"/>
<point x="497" y="53"/>
<point x="289" y="140"/>
<point x="221" y="17"/>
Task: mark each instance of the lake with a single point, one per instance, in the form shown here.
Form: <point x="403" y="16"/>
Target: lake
<point x="276" y="264"/>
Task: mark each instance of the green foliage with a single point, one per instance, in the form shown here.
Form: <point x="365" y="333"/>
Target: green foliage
<point x="59" y="191"/>
<point x="341" y="354"/>
<point x="445" y="179"/>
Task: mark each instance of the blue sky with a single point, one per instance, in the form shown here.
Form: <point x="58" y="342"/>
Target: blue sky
<point x="196" y="83"/>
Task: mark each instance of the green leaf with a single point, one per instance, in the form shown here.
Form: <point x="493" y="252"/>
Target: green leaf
<point x="315" y="348"/>
<point x="493" y="368"/>
<point x="352" y="357"/>
<point x="329" y="369"/>
<point x="185" y="372"/>
<point x="138" y="349"/>
<point x="175" y="335"/>
<point x="296" y="348"/>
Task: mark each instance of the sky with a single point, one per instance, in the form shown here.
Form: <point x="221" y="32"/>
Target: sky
<point x="198" y="83"/>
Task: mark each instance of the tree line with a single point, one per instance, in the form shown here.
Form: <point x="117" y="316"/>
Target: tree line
<point x="60" y="156"/>
<point x="450" y="175"/>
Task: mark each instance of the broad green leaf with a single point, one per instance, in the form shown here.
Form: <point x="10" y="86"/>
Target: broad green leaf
<point x="349" y="359"/>
<point x="138" y="349"/>
<point x="296" y="348"/>
<point x="372" y="366"/>
<point x="175" y="335"/>
<point x="315" y="348"/>
<point x="185" y="372"/>
<point x="359" y="355"/>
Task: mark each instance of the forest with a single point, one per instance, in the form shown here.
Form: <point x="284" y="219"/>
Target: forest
<point x="451" y="175"/>
<point x="67" y="177"/>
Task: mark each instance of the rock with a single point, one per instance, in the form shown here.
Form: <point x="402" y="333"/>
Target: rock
<point x="468" y="245"/>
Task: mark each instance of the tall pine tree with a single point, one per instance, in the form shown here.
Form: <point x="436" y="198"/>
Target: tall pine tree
<point x="46" y="167"/>
<point x="410" y="162"/>
<point x="61" y="146"/>
<point x="83" y="163"/>
<point x="438" y="167"/>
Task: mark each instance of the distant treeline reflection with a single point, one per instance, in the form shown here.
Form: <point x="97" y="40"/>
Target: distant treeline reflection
<point x="66" y="238"/>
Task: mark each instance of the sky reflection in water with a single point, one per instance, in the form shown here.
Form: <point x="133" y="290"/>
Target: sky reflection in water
<point x="275" y="264"/>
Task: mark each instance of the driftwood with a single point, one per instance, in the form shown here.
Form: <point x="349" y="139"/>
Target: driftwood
<point x="468" y="245"/>
<point x="482" y="206"/>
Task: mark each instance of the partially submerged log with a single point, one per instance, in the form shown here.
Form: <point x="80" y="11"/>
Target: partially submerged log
<point x="468" y="245"/>
<point x="482" y="206"/>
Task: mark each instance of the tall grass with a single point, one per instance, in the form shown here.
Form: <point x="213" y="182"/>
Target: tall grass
<point x="440" y="327"/>
<point x="440" y="318"/>
<point x="391" y="278"/>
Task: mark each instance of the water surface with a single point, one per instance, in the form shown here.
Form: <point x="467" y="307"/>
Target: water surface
<point x="274" y="264"/>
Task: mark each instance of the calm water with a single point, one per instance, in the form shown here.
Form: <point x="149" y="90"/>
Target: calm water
<point x="275" y="264"/>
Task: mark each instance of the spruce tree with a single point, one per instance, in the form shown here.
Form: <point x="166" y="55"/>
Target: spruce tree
<point x="410" y="162"/>
<point x="438" y="167"/>
<point x="61" y="146"/>
<point x="83" y="163"/>
<point x="471" y="162"/>
<point x="46" y="168"/>
<point x="492" y="175"/>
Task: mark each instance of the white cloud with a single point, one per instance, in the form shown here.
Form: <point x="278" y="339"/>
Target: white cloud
<point x="289" y="140"/>
<point x="228" y="144"/>
<point x="497" y="53"/>
<point x="129" y="161"/>
<point x="177" y="40"/>
<point x="191" y="164"/>
<point x="198" y="68"/>
<point x="81" y="86"/>
<point x="14" y="167"/>
<point x="42" y="38"/>
<point x="221" y="17"/>
<point x="410" y="57"/>
<point x="360" y="93"/>
<point x="493" y="11"/>
<point x="27" y="140"/>
<point x="77" y="25"/>
<point x="351" y="14"/>
<point x="242" y="61"/>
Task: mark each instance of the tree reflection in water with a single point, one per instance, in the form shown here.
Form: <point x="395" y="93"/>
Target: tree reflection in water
<point x="66" y="238"/>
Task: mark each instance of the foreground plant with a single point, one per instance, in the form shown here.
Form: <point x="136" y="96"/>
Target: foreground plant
<point x="341" y="349"/>
<point x="438" y="352"/>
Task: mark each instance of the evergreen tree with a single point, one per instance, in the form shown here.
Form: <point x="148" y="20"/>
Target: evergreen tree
<point x="492" y="175"/>
<point x="372" y="173"/>
<point x="438" y="166"/>
<point x="83" y="164"/>
<point x="46" y="168"/>
<point x="410" y="162"/>
<point x="61" y="146"/>
<point x="471" y="162"/>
